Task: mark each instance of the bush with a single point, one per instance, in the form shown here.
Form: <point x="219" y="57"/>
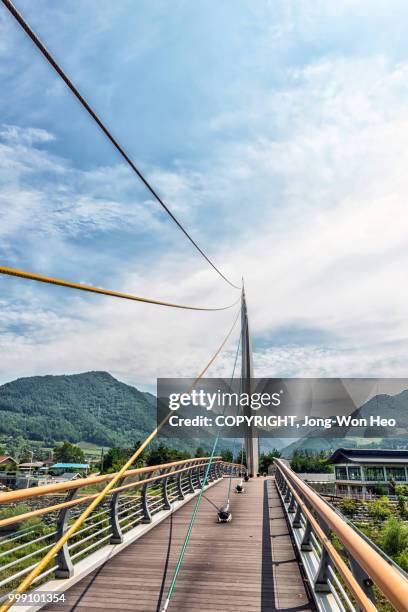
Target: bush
<point x="380" y="489"/>
<point x="348" y="506"/>
<point x="380" y="508"/>
<point x="402" y="560"/>
<point x="226" y="455"/>
<point x="165" y="454"/>
<point x="68" y="453"/>
<point x="15" y="511"/>
<point x="309" y="462"/>
<point x="266" y="459"/>
<point x="394" y="537"/>
<point x="401" y="490"/>
<point x="402" y="507"/>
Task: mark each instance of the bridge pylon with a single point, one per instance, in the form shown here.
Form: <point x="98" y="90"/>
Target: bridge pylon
<point x="251" y="438"/>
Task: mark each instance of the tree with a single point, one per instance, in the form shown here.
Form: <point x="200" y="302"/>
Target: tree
<point x="18" y="448"/>
<point x="392" y="484"/>
<point x="402" y="507"/>
<point x="200" y="452"/>
<point x="226" y="455"/>
<point x="304" y="461"/>
<point x="68" y="453"/>
<point x="241" y="457"/>
<point x="115" y="458"/>
<point x="394" y="537"/>
<point x="266" y="459"/>
<point x="165" y="454"/>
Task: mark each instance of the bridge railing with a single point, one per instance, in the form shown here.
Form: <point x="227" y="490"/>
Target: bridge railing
<point x="38" y="516"/>
<point x="344" y="571"/>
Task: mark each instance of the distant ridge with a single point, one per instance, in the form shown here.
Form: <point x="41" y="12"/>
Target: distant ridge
<point x="386" y="406"/>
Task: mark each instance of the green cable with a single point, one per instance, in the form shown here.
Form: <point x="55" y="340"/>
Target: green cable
<point x="196" y="506"/>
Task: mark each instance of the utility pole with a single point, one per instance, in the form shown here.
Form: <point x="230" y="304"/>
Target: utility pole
<point x="29" y="471"/>
<point x="251" y="437"/>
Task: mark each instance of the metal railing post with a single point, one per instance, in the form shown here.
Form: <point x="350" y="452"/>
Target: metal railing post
<point x="190" y="478"/>
<point x="65" y="567"/>
<point x="199" y="481"/>
<point x="292" y="504"/>
<point x="146" y="516"/>
<point x="117" y="535"/>
<point x="179" y="487"/>
<point x="362" y="578"/>
<point x="320" y="584"/>
<point x="306" y="544"/>
<point x="297" y="520"/>
<point x="164" y="490"/>
<point x="210" y="473"/>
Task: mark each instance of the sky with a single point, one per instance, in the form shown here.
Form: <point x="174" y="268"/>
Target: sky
<point x="276" y="132"/>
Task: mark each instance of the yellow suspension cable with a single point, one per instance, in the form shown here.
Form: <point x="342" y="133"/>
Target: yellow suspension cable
<point x="81" y="287"/>
<point x="28" y="580"/>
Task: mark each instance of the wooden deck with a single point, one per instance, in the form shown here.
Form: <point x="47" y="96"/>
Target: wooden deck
<point x="247" y="565"/>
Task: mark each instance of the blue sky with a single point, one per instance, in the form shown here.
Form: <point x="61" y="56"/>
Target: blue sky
<point x="276" y="131"/>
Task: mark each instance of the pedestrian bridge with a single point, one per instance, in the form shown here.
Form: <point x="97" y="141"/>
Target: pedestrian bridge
<point x="278" y="552"/>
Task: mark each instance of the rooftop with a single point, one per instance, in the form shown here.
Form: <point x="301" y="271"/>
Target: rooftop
<point x="369" y="455"/>
<point x="68" y="466"/>
<point x="6" y="459"/>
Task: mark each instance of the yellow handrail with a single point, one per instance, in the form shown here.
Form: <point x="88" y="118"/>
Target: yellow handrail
<point x="388" y="579"/>
<point x="12" y="520"/>
<point x="41" y="565"/>
<point x="51" y="489"/>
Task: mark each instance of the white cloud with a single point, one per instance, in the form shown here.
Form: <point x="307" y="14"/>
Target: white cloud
<point x="24" y="136"/>
<point x="42" y="194"/>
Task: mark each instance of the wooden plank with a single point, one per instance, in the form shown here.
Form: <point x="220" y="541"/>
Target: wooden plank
<point x="248" y="565"/>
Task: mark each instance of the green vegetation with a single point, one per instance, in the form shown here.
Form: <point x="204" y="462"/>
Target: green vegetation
<point x="116" y="457"/>
<point x="380" y="489"/>
<point x="92" y="407"/>
<point x="25" y="544"/>
<point x="68" y="453"/>
<point x="304" y="461"/>
<point x="165" y="454"/>
<point x="226" y="455"/>
<point x="402" y="506"/>
<point x="348" y="506"/>
<point x="380" y="508"/>
<point x="15" y="510"/>
<point x="240" y="457"/>
<point x="392" y="538"/>
<point x="266" y="459"/>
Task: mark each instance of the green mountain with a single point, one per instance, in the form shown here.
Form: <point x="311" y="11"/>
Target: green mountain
<point x="383" y="405"/>
<point x="91" y="407"/>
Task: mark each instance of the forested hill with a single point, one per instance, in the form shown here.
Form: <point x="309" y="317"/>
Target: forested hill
<point x="92" y="407"/>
